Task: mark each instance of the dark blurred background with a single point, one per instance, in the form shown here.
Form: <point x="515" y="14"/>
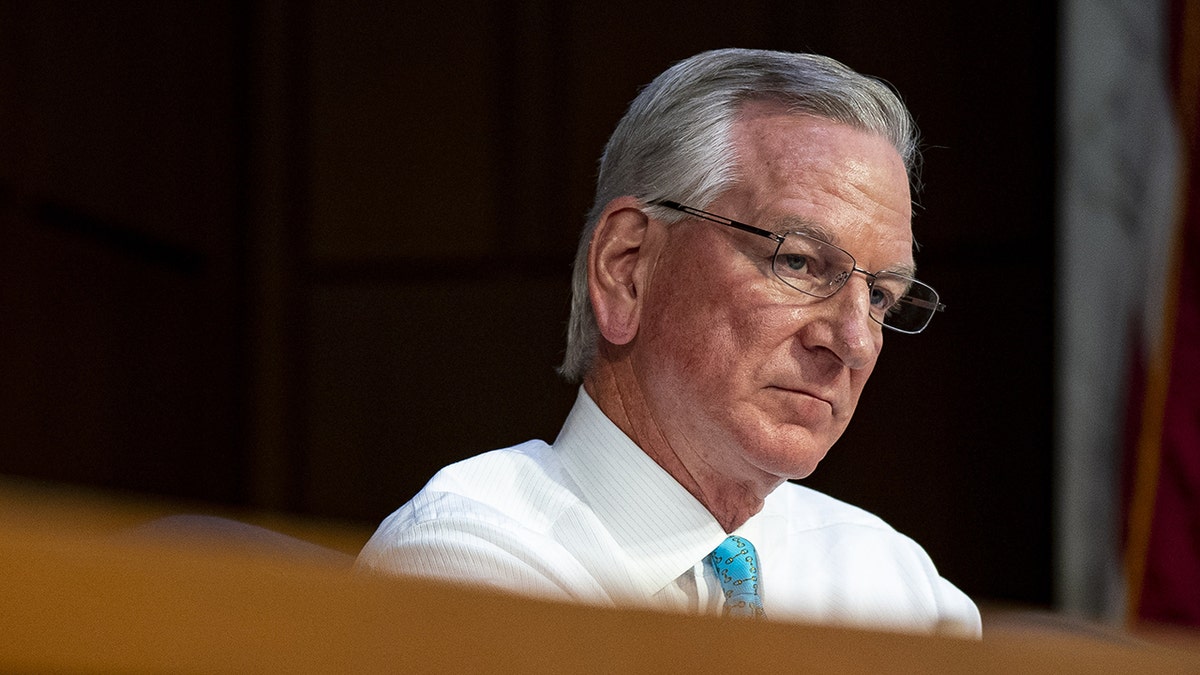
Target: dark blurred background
<point x="296" y="256"/>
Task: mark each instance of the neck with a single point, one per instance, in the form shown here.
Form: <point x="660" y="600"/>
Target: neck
<point x="616" y="390"/>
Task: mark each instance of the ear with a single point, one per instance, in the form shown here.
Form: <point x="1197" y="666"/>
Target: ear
<point x="619" y="261"/>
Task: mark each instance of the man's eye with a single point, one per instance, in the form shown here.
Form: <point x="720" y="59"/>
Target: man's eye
<point x="882" y="299"/>
<point x="795" y="263"/>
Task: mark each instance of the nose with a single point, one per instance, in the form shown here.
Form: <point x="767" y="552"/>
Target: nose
<point x="844" y="325"/>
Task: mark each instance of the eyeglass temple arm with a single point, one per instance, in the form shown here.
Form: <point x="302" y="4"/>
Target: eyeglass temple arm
<point x="924" y="304"/>
<point x="676" y="206"/>
<point x="720" y="220"/>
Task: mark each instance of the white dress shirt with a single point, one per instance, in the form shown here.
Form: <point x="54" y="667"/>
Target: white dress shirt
<point x="593" y="519"/>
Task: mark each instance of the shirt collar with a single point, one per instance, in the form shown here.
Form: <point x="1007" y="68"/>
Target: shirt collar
<point x="661" y="528"/>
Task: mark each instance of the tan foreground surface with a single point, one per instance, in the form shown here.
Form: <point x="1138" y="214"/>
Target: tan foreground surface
<point x="87" y="587"/>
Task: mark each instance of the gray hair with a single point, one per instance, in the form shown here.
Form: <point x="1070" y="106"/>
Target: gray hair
<point x="675" y="143"/>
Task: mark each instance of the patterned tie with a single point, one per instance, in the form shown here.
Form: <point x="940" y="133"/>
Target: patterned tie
<point x="736" y="565"/>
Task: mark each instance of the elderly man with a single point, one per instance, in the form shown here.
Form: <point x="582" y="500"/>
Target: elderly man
<point x="749" y="247"/>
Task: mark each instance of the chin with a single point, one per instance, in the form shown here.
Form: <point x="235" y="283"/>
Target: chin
<point x="802" y="472"/>
<point x="790" y="463"/>
<point x="787" y="449"/>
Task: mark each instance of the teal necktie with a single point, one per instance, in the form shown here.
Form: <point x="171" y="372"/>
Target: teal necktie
<point x="736" y="565"/>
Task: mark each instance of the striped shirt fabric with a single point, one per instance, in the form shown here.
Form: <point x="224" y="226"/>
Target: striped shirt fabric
<point x="592" y="519"/>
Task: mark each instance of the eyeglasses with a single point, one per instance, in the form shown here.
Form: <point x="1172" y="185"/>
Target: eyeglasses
<point x="820" y="269"/>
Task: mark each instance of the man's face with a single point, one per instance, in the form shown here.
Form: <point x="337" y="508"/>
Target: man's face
<point x="740" y="372"/>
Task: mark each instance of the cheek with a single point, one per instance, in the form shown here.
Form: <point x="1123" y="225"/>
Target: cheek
<point x="684" y="331"/>
<point x="703" y="332"/>
<point x="715" y="322"/>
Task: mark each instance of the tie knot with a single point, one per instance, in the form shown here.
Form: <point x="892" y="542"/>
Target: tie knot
<point x="736" y="564"/>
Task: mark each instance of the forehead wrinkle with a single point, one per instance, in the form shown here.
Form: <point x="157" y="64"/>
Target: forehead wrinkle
<point x="819" y="166"/>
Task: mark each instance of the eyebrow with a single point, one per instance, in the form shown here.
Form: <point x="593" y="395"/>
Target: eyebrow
<point x="812" y="228"/>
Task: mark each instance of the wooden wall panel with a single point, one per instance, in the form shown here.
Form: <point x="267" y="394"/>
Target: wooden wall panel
<point x="409" y="377"/>
<point x="121" y="272"/>
<point x="403" y="134"/>
<point x="127" y="114"/>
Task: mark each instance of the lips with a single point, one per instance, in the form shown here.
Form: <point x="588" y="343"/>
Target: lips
<point x="808" y="392"/>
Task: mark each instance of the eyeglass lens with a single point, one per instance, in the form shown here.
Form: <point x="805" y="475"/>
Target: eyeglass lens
<point x="821" y="269"/>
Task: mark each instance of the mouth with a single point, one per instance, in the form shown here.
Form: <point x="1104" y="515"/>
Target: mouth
<point x="804" y="393"/>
